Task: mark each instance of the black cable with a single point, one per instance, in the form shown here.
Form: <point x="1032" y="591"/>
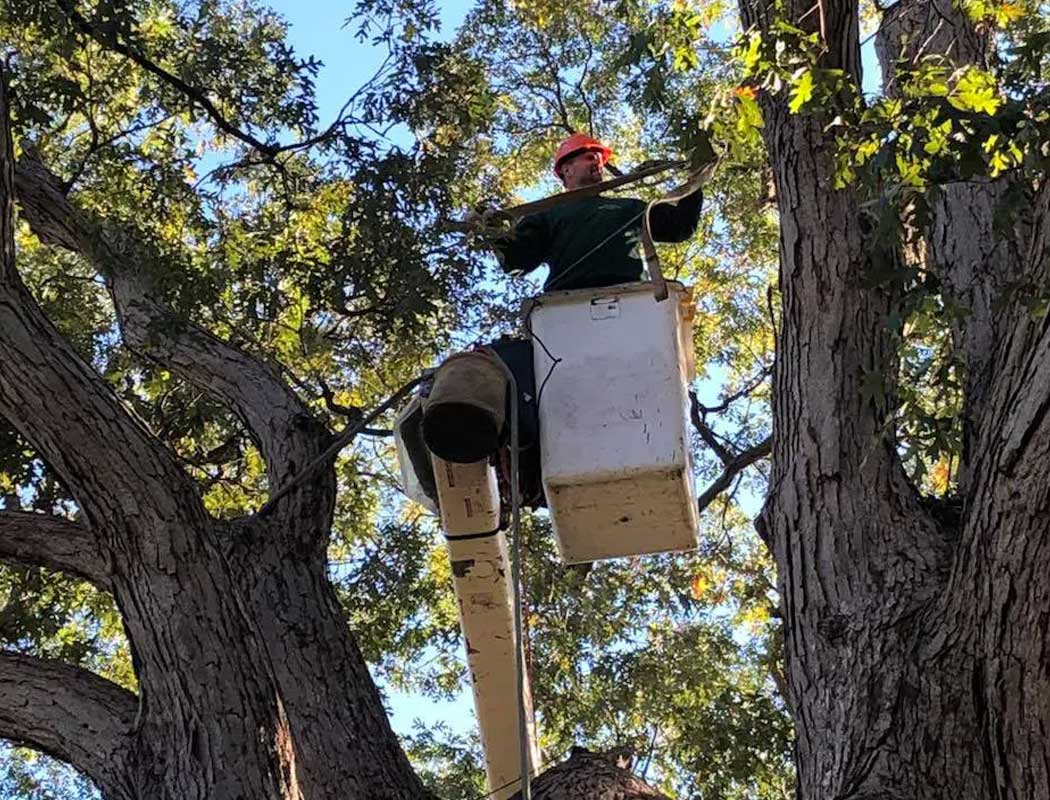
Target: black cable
<point x="555" y="361"/>
<point x="342" y="440"/>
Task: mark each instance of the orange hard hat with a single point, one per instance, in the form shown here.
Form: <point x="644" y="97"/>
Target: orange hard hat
<point x="576" y="143"/>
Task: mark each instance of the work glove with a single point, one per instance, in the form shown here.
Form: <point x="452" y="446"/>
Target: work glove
<point x="490" y="222"/>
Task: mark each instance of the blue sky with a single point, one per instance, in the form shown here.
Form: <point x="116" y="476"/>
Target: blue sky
<point x="319" y="28"/>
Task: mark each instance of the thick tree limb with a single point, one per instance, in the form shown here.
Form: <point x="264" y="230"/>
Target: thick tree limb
<point x="832" y="331"/>
<point x="277" y="419"/>
<point x="857" y="555"/>
<point x="71" y="714"/>
<point x="998" y="594"/>
<point x="345" y="747"/>
<point x="114" y="467"/>
<point x="913" y="29"/>
<point x="976" y="257"/>
<point x="1017" y="435"/>
<point x="42" y="540"/>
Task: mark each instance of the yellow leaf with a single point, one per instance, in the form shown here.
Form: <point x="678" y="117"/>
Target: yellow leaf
<point x="1010" y="12"/>
<point x="939" y="477"/>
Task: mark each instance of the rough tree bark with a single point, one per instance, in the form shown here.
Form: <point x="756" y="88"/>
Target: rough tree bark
<point x="592" y="776"/>
<point x="915" y="641"/>
<point x="250" y="682"/>
<point x="41" y="540"/>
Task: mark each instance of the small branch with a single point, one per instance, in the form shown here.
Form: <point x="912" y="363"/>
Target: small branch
<point x="749" y="387"/>
<point x="97" y="145"/>
<point x="555" y="76"/>
<point x="649" y="755"/>
<point x="42" y="540"/>
<point x="69" y="713"/>
<point x="352" y="413"/>
<point x="196" y="95"/>
<point x="929" y="40"/>
<point x="732" y="469"/>
<point x="583" y="91"/>
<point x="696" y="412"/>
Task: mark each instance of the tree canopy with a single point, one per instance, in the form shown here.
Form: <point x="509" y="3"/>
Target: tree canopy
<point x="188" y="133"/>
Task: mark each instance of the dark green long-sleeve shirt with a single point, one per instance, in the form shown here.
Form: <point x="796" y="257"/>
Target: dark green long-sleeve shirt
<point x="565" y="236"/>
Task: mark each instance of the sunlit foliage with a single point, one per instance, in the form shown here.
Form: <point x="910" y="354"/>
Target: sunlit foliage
<point x="315" y="242"/>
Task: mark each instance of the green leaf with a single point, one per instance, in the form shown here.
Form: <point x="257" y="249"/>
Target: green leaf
<point x="976" y="91"/>
<point x="750" y="112"/>
<point x="753" y="53"/>
<point x="801" y="91"/>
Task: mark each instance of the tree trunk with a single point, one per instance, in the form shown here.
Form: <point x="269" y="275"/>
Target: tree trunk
<point x="915" y="641"/>
<point x="592" y="776"/>
<point x="250" y="683"/>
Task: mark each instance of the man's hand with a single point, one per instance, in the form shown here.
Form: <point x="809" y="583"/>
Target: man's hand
<point x="489" y="222"/>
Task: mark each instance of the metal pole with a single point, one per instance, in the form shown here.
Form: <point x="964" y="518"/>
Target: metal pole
<point x="515" y="569"/>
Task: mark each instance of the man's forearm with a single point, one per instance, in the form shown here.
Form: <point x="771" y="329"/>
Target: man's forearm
<point x="677" y="222"/>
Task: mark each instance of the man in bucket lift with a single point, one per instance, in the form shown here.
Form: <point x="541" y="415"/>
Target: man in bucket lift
<point x="594" y="241"/>
<point x="588" y="242"/>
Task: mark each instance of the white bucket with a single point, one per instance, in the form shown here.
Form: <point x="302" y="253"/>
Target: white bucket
<point x="614" y="411"/>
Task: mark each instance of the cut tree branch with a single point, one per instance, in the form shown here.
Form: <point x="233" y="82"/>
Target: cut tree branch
<point x="587" y="774"/>
<point x="42" y="540"/>
<point x="69" y="713"/>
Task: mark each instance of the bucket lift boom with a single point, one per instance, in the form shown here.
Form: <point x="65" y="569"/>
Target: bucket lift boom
<point x="613" y="367"/>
